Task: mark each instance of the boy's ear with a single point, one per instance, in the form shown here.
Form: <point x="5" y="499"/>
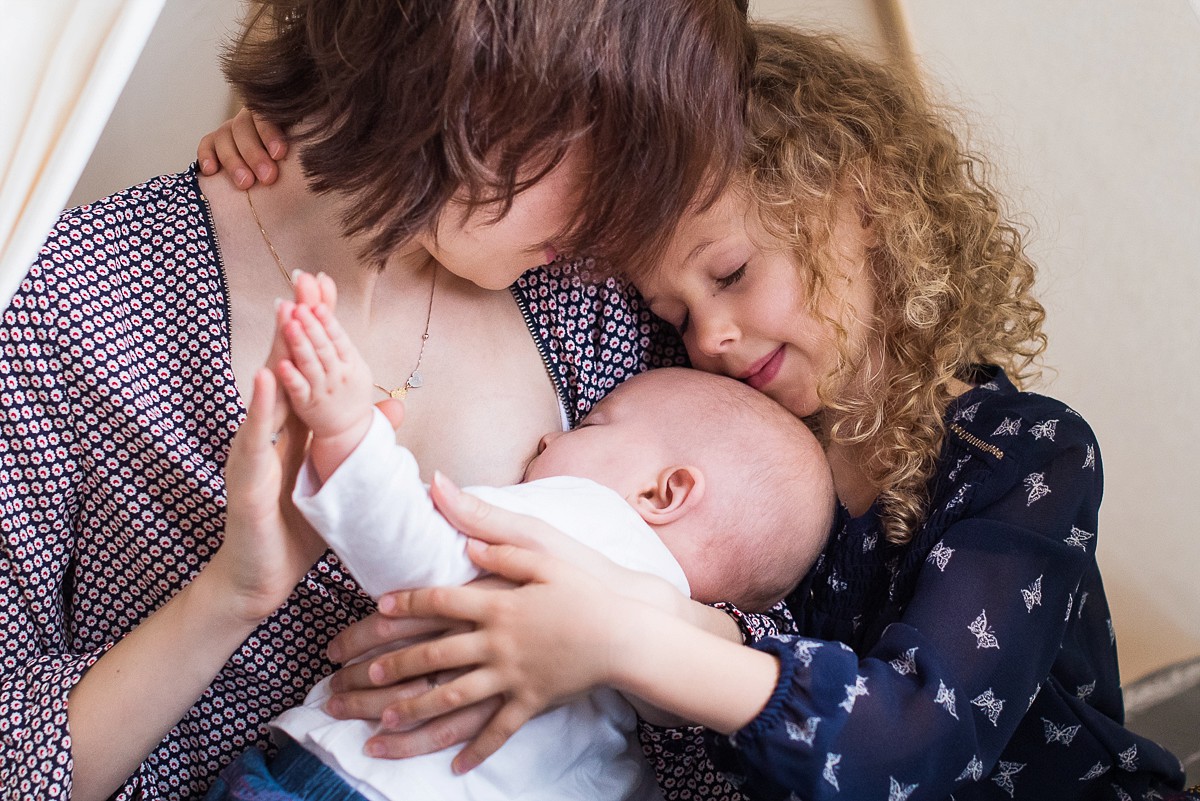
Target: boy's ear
<point x="675" y="492"/>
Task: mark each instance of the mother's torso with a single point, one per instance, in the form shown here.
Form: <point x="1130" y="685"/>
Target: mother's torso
<point x="127" y="317"/>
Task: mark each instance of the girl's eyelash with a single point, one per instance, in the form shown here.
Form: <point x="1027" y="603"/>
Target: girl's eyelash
<point x="732" y="278"/>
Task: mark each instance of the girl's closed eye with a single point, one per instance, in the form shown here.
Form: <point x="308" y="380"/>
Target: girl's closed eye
<point x="732" y="278"/>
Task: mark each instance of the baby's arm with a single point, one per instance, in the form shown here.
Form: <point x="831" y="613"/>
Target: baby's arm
<point x="327" y="382"/>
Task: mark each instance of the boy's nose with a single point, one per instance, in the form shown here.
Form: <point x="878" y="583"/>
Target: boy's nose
<point x="545" y="441"/>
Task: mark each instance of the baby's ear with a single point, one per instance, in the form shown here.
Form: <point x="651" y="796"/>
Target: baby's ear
<point x="675" y="492"/>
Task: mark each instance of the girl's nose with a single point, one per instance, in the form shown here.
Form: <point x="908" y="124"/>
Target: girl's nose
<point x="713" y="337"/>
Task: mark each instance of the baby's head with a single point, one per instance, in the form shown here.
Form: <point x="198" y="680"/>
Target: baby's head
<point x="735" y="485"/>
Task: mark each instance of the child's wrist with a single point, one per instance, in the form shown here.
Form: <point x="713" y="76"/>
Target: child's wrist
<point x="329" y="449"/>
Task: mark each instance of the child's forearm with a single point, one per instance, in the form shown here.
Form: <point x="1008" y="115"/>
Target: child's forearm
<point x="328" y="451"/>
<point x="699" y="676"/>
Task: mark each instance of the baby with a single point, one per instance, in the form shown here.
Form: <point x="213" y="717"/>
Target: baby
<point x="693" y="477"/>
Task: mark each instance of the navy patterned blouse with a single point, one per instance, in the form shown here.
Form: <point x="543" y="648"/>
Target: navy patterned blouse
<point x="117" y="405"/>
<point x="977" y="661"/>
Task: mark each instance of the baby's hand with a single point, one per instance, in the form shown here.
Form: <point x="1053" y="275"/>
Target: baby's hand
<point x="326" y="379"/>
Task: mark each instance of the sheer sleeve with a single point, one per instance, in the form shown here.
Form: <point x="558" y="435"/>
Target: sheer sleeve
<point x="933" y="703"/>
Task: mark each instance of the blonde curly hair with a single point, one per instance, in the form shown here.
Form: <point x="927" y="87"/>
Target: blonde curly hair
<point x="951" y="280"/>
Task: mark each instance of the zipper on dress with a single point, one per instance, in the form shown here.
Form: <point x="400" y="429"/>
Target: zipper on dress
<point x="971" y="439"/>
<point x="555" y="379"/>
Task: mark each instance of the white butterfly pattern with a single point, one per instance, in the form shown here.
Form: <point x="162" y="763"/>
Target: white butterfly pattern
<point x="1033" y="697"/>
<point x="906" y="665"/>
<point x="1059" y="734"/>
<point x="973" y="770"/>
<point x="958" y="496"/>
<point x="869" y="542"/>
<point x="859" y="687"/>
<point x="829" y="772"/>
<point x="1033" y="595"/>
<point x="898" y="791"/>
<point x="1079" y="538"/>
<point x="940" y="556"/>
<point x="1005" y="773"/>
<point x="959" y="466"/>
<point x="1044" y="430"/>
<point x="968" y="413"/>
<point x="1112" y="634"/>
<point x="1036" y="484"/>
<point x="836" y="583"/>
<point x="1070" y="603"/>
<point x="1082" y="600"/>
<point x="1121" y="794"/>
<point x="1084" y="691"/>
<point x="804" y="734"/>
<point x="1010" y="427"/>
<point x="985" y="636"/>
<point x="804" y="649"/>
<point x="1095" y="771"/>
<point x="1089" y="460"/>
<point x="945" y="698"/>
<point x="1128" y="758"/>
<point x="990" y="704"/>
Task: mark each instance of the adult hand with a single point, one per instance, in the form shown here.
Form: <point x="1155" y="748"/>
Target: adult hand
<point x="362" y="691"/>
<point x="268" y="546"/>
<point x="246" y="148"/>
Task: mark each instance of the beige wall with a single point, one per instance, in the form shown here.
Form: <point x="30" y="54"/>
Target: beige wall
<point x="1090" y="110"/>
<point x="175" y="94"/>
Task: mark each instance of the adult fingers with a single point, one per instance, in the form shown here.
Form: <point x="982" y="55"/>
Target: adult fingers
<point x="441" y="698"/>
<point x="427" y="657"/>
<point x="393" y="410"/>
<point x="257" y="425"/>
<point x="376" y="631"/>
<point x="435" y="735"/>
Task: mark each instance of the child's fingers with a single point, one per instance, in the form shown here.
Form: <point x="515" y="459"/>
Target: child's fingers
<point x="250" y="147"/>
<point x="206" y="154"/>
<point x="318" y="336"/>
<point x="271" y="135"/>
<point x="298" y="389"/>
<point x="503" y="725"/>
<point x="228" y="157"/>
<point x="341" y="341"/>
<point x="303" y="356"/>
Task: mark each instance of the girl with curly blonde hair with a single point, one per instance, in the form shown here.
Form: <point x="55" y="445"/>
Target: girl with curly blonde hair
<point x="954" y="636"/>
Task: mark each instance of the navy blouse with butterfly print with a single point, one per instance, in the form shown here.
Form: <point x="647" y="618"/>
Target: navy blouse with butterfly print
<point x="117" y="405"/>
<point x="979" y="659"/>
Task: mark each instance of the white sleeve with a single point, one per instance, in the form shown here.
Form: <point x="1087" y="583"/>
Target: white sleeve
<point x="377" y="516"/>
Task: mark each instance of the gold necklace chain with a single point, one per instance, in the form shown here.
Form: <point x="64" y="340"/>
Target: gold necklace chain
<point x="414" y="379"/>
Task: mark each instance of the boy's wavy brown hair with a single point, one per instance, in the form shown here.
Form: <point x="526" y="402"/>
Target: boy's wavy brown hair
<point x="951" y="279"/>
<point x="408" y="103"/>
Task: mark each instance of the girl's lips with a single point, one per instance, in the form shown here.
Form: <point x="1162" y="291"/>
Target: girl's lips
<point x="765" y="371"/>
